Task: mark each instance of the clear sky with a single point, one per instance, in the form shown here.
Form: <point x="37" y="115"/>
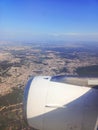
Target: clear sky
<point x="49" y="20"/>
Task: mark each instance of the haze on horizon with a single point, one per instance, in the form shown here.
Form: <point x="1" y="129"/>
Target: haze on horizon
<point x="43" y="20"/>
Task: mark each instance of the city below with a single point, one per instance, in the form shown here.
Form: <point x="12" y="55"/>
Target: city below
<point x="20" y="61"/>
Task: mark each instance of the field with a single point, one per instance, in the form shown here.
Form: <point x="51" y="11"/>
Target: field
<point x="21" y="61"/>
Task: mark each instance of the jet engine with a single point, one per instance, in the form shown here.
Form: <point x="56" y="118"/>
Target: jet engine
<point x="61" y="103"/>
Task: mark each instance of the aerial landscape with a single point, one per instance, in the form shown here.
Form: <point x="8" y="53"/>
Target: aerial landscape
<point x="43" y="38"/>
<point x="20" y="62"/>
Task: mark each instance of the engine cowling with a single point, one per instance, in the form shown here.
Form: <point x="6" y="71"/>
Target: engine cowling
<point x="52" y="105"/>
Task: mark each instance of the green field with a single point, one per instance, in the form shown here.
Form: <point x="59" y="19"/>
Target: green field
<point x="11" y="111"/>
<point x="88" y="71"/>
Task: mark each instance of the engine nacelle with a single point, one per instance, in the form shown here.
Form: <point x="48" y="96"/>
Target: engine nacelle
<point x="61" y="103"/>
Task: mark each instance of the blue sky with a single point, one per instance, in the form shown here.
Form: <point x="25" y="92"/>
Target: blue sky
<point x="39" y="20"/>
